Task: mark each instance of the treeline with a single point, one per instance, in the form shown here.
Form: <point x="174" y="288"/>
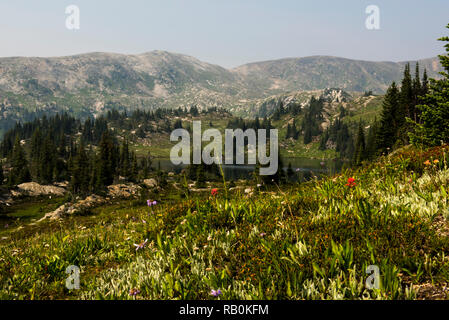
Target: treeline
<point x="240" y="123"/>
<point x="313" y="117"/>
<point x="292" y="109"/>
<point x="158" y="120"/>
<point x="339" y="137"/>
<point x="398" y="105"/>
<point x="400" y="109"/>
<point x="88" y="169"/>
<point x="87" y="154"/>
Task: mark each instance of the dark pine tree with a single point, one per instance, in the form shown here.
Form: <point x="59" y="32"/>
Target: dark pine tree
<point x="360" y="146"/>
<point x="389" y="124"/>
<point x="80" y="180"/>
<point x="434" y="127"/>
<point x="19" y="172"/>
<point x="107" y="162"/>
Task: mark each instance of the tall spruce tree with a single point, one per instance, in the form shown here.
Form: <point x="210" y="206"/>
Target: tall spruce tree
<point x="406" y="106"/>
<point x="389" y="122"/>
<point x="107" y="162"/>
<point x="2" y="176"/>
<point x="79" y="183"/>
<point x="360" y="146"/>
<point x="371" y="145"/>
<point x="19" y="172"/>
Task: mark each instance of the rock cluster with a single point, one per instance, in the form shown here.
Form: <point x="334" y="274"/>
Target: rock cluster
<point x="34" y="189"/>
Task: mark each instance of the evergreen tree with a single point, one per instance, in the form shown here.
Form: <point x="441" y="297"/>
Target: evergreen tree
<point x="107" y="162"/>
<point x="425" y="84"/>
<point x="290" y="172"/>
<point x="36" y="145"/>
<point x="434" y="127"/>
<point x="406" y="107"/>
<point x="125" y="159"/>
<point x="406" y="96"/>
<point x="389" y="124"/>
<point x="2" y="176"/>
<point x="134" y="172"/>
<point x="294" y="131"/>
<point x="47" y="161"/>
<point x="200" y="176"/>
<point x="79" y="183"/>
<point x="19" y="172"/>
<point x="360" y="146"/>
<point x="417" y="90"/>
<point x="371" y="146"/>
<point x="289" y="131"/>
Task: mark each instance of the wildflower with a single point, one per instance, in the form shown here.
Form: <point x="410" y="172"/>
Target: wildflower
<point x="134" y="292"/>
<point x="215" y="293"/>
<point x="214" y="192"/>
<point x="298" y="169"/>
<point x="151" y="203"/>
<point x="141" y="245"/>
<point x="262" y="234"/>
<point x="351" y="182"/>
<point x="436" y="161"/>
<point x="427" y="163"/>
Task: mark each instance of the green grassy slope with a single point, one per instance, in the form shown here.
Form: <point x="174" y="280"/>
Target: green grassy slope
<point x="312" y="241"/>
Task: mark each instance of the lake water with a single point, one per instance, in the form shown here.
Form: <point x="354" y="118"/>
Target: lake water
<point x="304" y="168"/>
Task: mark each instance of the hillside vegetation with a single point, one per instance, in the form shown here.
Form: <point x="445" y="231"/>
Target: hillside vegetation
<point x="312" y="241"/>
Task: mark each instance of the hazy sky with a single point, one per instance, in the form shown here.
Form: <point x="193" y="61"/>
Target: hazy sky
<point x="226" y="32"/>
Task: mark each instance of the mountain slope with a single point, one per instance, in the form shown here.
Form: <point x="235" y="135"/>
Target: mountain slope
<point x="319" y="72"/>
<point x="88" y="84"/>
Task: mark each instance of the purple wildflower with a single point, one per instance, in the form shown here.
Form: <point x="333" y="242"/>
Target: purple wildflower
<point x="216" y="293"/>
<point x="134" y="292"/>
<point x="262" y="234"/>
<point x="151" y="203"/>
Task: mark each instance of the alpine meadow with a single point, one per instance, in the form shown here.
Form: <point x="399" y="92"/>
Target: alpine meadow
<point x="158" y="176"/>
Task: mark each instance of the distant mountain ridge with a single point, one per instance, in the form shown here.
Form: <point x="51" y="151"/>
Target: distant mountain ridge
<point x="88" y="84"/>
<point x="319" y="72"/>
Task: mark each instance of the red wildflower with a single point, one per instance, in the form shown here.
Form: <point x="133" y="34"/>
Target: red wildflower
<point x="351" y="183"/>
<point x="214" y="192"/>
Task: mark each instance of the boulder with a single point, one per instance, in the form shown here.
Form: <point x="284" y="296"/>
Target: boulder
<point x="124" y="190"/>
<point x="35" y="189"/>
<point x="74" y="208"/>
<point x="150" y="183"/>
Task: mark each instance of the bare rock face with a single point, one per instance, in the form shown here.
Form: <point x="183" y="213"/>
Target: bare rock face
<point x="335" y="95"/>
<point x="35" y="189"/>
